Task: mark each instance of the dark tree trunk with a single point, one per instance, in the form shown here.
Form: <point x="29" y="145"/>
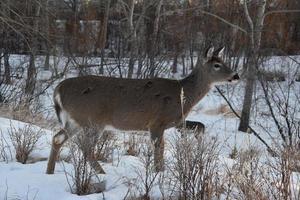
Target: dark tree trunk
<point x="101" y="69"/>
<point x="192" y="57"/>
<point x="140" y="66"/>
<point x="255" y="41"/>
<point x="7" y="77"/>
<point x="131" y="66"/>
<point x="183" y="65"/>
<point x="47" y="61"/>
<point x="102" y="34"/>
<point x="31" y="77"/>
<point x="175" y="61"/>
<point x="245" y="117"/>
<point x="152" y="34"/>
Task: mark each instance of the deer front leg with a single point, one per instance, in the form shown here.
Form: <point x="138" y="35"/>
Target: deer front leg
<point x="58" y="140"/>
<point x="158" y="140"/>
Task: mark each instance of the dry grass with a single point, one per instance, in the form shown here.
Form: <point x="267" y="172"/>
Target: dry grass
<point x="146" y="176"/>
<point x="255" y="176"/>
<point x="23" y="114"/>
<point x="194" y="172"/>
<point x="222" y="110"/>
<point x="105" y="146"/>
<point x="83" y="178"/>
<point x="135" y="144"/>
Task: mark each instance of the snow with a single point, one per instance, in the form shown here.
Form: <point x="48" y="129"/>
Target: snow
<point x="29" y="181"/>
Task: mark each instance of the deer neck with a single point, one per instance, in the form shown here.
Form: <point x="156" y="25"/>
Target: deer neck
<point x="195" y="87"/>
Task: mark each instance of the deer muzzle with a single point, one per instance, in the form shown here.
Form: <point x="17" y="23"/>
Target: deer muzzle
<point x="235" y="77"/>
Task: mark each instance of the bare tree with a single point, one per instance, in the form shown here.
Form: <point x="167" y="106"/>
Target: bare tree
<point x="255" y="31"/>
<point x="35" y="9"/>
<point x="153" y="12"/>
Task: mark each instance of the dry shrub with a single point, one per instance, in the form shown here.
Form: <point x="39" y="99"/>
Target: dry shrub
<point x="222" y="109"/>
<point x="194" y="173"/>
<point x="83" y="179"/>
<point x="135" y="144"/>
<point x="132" y="146"/>
<point x="24" y="114"/>
<point x="24" y="141"/>
<point x="245" y="181"/>
<point x="272" y="76"/>
<point x="105" y="146"/>
<point x="147" y="177"/>
<point x="254" y="176"/>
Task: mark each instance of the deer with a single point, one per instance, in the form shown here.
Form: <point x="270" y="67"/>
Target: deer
<point x="152" y="105"/>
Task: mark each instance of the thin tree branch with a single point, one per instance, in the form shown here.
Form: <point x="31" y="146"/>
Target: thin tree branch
<point x="280" y="12"/>
<point x="237" y="115"/>
<point x="181" y="11"/>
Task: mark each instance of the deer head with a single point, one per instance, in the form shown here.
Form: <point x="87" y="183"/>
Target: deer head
<point x="216" y="70"/>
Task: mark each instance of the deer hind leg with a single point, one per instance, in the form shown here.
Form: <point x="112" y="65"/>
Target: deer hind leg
<point x="58" y="140"/>
<point x="158" y="140"/>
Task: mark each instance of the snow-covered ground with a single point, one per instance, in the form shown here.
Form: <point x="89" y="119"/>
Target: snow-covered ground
<point x="29" y="181"/>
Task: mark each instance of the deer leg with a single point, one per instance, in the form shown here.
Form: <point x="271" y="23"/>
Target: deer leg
<point x="58" y="140"/>
<point x="158" y="140"/>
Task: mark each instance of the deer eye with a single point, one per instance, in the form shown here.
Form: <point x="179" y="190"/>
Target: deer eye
<point x="217" y="66"/>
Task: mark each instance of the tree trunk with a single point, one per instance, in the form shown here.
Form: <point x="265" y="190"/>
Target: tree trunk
<point x="132" y="40"/>
<point x="47" y="59"/>
<point x="245" y="117"/>
<point x="183" y="65"/>
<point x="101" y="69"/>
<point x="255" y="40"/>
<point x="153" y="38"/>
<point x="175" y="61"/>
<point x="31" y="72"/>
<point x="140" y="66"/>
<point x="31" y="77"/>
<point x="102" y="34"/>
<point x="7" y="79"/>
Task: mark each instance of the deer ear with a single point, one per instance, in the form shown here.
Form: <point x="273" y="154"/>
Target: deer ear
<point x="219" y="52"/>
<point x="209" y="52"/>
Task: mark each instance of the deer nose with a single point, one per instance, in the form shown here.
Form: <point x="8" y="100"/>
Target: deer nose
<point x="236" y="77"/>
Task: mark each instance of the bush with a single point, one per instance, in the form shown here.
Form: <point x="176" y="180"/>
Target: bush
<point x="24" y="141"/>
<point x="147" y="177"/>
<point x="105" y="146"/>
<point x="83" y="179"/>
<point x="194" y="171"/>
<point x="272" y="75"/>
<point x="254" y="176"/>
